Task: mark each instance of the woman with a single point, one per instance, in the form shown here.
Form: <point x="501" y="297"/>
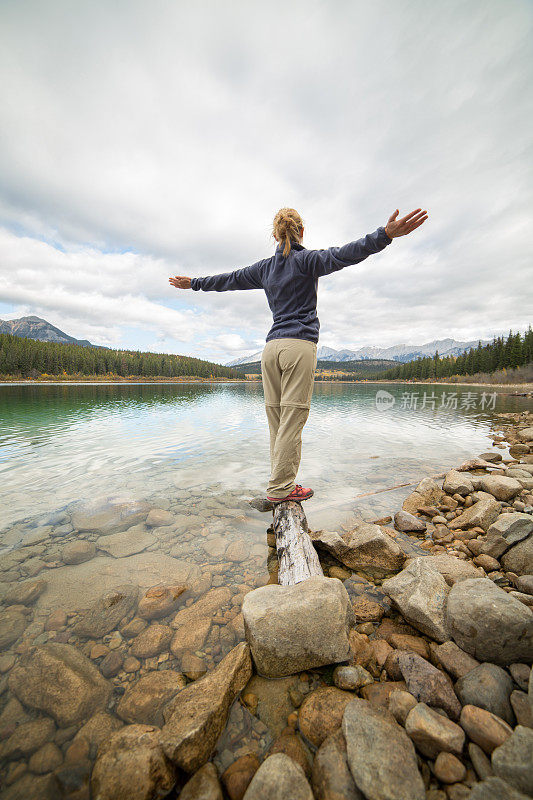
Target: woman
<point x="290" y="281"/>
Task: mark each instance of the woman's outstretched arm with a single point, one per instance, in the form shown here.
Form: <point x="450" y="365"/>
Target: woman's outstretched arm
<point x="245" y="278"/>
<point x="324" y="262"/>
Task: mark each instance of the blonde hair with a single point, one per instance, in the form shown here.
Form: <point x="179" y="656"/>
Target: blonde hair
<point x="287" y="228"/>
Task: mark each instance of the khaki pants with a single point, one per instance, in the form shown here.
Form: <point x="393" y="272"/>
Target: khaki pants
<point x="288" y="369"/>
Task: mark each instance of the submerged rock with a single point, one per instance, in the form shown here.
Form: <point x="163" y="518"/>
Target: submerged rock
<point x="420" y="592"/>
<point x="13" y="623"/>
<point x="196" y="717"/>
<point x="279" y="778"/>
<point x="59" y="680"/>
<point x="107" y="515"/>
<point x="24" y="593"/>
<point x="293" y="628"/>
<point x="381" y="756"/>
<point x="159" y="601"/>
<point x="144" y="701"/>
<point x="488" y="623"/>
<point x="204" y="785"/>
<point x="78" y="551"/>
<point x="126" y="543"/>
<point x="132" y="766"/>
<point x="107" y="612"/>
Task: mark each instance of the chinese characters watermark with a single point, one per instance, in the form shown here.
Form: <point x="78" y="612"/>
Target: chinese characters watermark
<point x="447" y="401"/>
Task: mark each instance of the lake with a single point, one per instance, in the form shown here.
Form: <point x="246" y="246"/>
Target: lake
<point x="63" y="443"/>
<point x="106" y="488"/>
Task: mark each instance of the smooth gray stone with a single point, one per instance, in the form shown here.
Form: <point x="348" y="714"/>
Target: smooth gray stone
<point x="487" y="686"/>
<point x="381" y="756"/>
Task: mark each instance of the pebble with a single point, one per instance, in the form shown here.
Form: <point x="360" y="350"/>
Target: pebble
<point x="484" y="728"/>
<point x="449" y="769"/>
<point x="351" y="678"/>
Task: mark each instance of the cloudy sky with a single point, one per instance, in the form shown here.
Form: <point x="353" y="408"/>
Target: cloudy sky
<point x="145" y="139"/>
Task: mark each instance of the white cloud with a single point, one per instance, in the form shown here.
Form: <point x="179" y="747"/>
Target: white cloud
<point x="174" y="131"/>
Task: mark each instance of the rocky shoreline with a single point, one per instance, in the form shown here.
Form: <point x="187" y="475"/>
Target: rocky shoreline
<point x="404" y="674"/>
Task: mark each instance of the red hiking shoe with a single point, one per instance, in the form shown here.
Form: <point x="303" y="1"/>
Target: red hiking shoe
<point x="298" y="494"/>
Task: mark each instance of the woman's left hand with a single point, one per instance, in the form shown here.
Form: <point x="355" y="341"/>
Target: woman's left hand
<point x="404" y="225"/>
<point x="180" y="282"/>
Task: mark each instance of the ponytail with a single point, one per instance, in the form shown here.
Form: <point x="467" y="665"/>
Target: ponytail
<point x="287" y="228"/>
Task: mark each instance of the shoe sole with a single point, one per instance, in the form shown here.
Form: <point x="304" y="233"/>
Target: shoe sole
<point x="286" y="499"/>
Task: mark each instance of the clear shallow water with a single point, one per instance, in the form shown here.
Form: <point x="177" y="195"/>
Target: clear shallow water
<point x="61" y="443"/>
<point x="197" y="454"/>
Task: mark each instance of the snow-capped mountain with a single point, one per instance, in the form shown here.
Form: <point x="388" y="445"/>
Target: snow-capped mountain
<point x="398" y="352"/>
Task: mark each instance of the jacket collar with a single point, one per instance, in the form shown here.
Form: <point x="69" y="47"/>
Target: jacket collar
<point x="294" y="246"/>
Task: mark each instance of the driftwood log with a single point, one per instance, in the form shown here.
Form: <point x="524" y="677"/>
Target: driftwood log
<point x="298" y="559"/>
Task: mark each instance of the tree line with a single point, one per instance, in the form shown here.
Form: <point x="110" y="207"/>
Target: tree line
<point x="501" y="354"/>
<point x="31" y="358"/>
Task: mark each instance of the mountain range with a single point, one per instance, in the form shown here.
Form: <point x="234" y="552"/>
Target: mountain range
<point x="40" y="329"/>
<point x="37" y="328"/>
<point x="397" y="352"/>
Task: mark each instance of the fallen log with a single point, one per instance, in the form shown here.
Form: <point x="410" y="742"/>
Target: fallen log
<point x="298" y="559"/>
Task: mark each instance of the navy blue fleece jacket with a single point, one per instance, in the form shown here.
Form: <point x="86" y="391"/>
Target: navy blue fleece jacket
<point x="291" y="283"/>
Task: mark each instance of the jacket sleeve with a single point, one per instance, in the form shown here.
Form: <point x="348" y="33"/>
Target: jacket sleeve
<point x="245" y="278"/>
<point x="324" y="262"/>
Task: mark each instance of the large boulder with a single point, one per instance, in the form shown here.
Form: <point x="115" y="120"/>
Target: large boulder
<point x="488" y="623"/>
<point x="427" y="493"/>
<point x="519" y="558"/>
<point x="452" y="569"/>
<point x="508" y="530"/>
<point x="420" y="592"/>
<point x="106" y="515"/>
<point x="365" y="547"/>
<point x="196" y="716"/>
<point x="106" y="613"/>
<point x="513" y="760"/>
<point x="279" y="778"/>
<point x="457" y="483"/>
<point x="526" y="435"/>
<point x="500" y="487"/>
<point x="59" y="680"/>
<point x="293" y="628"/>
<point x="381" y="756"/>
<point x="132" y="766"/>
<point x="487" y="686"/>
<point x="480" y="515"/>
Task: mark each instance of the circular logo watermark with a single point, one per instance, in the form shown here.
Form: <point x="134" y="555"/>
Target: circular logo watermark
<point x="384" y="400"/>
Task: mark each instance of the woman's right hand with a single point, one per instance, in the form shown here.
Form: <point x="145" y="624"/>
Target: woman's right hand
<point x="180" y="282"/>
